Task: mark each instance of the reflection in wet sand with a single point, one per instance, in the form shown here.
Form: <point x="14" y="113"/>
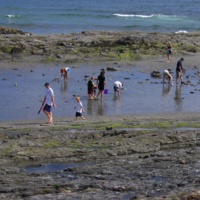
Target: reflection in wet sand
<point x="91" y="107"/>
<point x="64" y="86"/>
<point x="178" y="98"/>
<point x="166" y="90"/>
<point x="95" y="107"/>
<point x="101" y="108"/>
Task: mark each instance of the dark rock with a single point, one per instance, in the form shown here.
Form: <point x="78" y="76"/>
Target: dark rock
<point x="156" y="74"/>
<point x="111" y="69"/>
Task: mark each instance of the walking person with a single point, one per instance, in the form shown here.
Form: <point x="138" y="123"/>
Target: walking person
<point x="79" y="108"/>
<point x="101" y="83"/>
<point x="117" y="86"/>
<point x="179" y="71"/>
<point x="169" y="51"/>
<point x="48" y="101"/>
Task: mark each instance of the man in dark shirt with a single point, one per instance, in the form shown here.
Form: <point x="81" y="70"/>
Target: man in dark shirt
<point x="101" y="82"/>
<point x="179" y="70"/>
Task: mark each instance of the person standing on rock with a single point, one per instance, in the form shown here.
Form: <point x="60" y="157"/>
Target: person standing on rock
<point x="117" y="86"/>
<point x="101" y="83"/>
<point x="179" y="71"/>
<point x="48" y="101"/>
<point x="168" y="76"/>
<point x="169" y="51"/>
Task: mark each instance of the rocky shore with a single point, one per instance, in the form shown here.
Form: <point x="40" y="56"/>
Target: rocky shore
<point x="16" y="45"/>
<point x="131" y="157"/>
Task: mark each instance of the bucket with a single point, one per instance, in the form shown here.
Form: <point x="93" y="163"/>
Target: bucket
<point x="105" y="91"/>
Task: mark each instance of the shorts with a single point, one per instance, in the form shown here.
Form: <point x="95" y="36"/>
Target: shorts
<point x="178" y="74"/>
<point x="78" y="114"/>
<point x="90" y="92"/>
<point x="47" y="108"/>
<point x="116" y="89"/>
<point x="101" y="87"/>
<point x="169" y="51"/>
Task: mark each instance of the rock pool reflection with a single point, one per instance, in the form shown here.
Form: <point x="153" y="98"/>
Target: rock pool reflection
<point x="178" y="98"/>
<point x="167" y="88"/>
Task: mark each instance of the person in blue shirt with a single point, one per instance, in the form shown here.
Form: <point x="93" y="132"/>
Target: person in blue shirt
<point x="179" y="71"/>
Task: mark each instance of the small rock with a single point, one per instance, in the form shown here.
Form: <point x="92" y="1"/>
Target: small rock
<point x="156" y="74"/>
<point x="111" y="69"/>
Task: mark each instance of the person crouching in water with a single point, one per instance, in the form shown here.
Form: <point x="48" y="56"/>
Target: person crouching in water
<point x="91" y="88"/>
<point x="64" y="73"/>
<point x="118" y="86"/>
<point x="168" y="76"/>
<point x="79" y="108"/>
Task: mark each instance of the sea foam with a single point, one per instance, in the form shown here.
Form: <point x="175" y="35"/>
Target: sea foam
<point x="181" y="31"/>
<point x="129" y="15"/>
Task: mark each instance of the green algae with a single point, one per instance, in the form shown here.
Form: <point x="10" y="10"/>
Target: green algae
<point x="51" y="144"/>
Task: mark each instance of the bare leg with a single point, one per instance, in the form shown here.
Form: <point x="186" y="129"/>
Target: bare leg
<point x="49" y="115"/>
<point x="101" y="95"/>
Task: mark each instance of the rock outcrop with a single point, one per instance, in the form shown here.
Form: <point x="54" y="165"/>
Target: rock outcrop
<point x="128" y="46"/>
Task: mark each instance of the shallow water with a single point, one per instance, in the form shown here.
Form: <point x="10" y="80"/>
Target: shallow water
<point x="23" y="91"/>
<point x="52" y="167"/>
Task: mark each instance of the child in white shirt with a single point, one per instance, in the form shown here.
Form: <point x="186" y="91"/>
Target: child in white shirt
<point x="79" y="108"/>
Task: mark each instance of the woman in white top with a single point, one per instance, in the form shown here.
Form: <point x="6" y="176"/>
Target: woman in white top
<point x="117" y="86"/>
<point x="168" y="76"/>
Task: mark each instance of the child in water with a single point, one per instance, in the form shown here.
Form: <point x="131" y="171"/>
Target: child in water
<point x="91" y="88"/>
<point x="79" y="108"/>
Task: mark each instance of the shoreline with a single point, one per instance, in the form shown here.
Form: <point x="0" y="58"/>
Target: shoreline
<point x="60" y="121"/>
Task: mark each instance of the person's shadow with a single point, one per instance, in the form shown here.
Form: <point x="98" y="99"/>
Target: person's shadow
<point x="178" y="98"/>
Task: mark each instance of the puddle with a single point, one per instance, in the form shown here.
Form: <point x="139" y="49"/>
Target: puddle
<point x="142" y="94"/>
<point x="159" y="178"/>
<point x="187" y="129"/>
<point x="53" y="167"/>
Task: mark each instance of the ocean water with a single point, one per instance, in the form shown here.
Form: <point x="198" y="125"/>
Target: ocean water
<point x="65" y="16"/>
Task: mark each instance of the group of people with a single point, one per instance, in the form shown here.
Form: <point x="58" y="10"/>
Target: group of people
<point x="179" y="73"/>
<point x="49" y="101"/>
<point x="101" y="84"/>
<point x="179" y="68"/>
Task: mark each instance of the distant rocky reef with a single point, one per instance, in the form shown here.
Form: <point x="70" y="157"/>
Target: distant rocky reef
<point x="88" y="45"/>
